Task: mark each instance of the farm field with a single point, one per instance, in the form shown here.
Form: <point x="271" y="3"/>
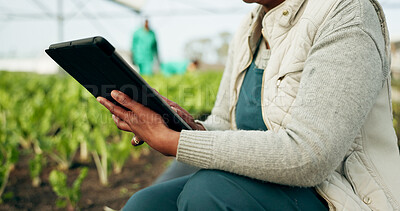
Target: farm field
<point x="59" y="148"/>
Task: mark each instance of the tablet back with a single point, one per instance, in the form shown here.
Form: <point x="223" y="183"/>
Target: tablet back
<point x="94" y="63"/>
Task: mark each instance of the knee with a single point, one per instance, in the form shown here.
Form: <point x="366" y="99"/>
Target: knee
<point x="141" y="200"/>
<point x="201" y="191"/>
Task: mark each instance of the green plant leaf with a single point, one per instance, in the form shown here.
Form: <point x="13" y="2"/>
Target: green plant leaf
<point x="58" y="181"/>
<point x="61" y="203"/>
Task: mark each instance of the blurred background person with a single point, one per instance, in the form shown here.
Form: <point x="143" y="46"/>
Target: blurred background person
<point x="144" y="49"/>
<point x="178" y="67"/>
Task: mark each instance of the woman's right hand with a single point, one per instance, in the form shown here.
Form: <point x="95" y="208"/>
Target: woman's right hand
<point x="183" y="114"/>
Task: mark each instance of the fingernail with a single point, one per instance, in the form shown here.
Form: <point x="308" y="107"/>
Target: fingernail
<point x="114" y="93"/>
<point x="98" y="99"/>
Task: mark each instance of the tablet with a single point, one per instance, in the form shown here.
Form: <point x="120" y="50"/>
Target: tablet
<point x="94" y="63"/>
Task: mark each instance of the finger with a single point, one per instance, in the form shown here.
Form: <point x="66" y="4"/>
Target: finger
<point x="168" y="101"/>
<point x="122" y="125"/>
<point x="175" y="106"/>
<point x="176" y="110"/>
<point x="164" y="98"/>
<point x="185" y="118"/>
<point x="156" y="91"/>
<point x="125" y="100"/>
<point x="114" y="109"/>
<point x="182" y="113"/>
<point x="186" y="113"/>
<point x="179" y="112"/>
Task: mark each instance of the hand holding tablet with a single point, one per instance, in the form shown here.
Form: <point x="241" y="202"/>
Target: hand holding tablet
<point x="94" y="63"/>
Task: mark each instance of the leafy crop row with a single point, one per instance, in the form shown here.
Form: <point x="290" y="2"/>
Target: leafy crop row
<point x="52" y="118"/>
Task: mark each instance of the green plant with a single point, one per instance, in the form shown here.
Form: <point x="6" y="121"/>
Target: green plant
<point x="100" y="156"/>
<point x="8" y="153"/>
<point x="103" y="131"/>
<point x="35" y="168"/>
<point x="67" y="196"/>
<point x="63" y="148"/>
<point x="7" y="161"/>
<point x="120" y="149"/>
<point x="53" y="117"/>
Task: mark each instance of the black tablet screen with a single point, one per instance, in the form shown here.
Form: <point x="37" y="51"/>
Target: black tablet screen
<point x="94" y="63"/>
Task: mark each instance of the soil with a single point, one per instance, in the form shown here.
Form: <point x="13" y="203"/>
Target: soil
<point x="135" y="175"/>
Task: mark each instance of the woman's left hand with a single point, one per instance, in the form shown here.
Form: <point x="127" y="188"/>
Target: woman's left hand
<point x="146" y="124"/>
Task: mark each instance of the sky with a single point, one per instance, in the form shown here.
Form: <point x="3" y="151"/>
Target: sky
<point x="27" y="27"/>
<point x="25" y="31"/>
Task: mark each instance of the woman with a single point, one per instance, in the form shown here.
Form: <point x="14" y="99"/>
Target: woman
<point x="302" y="119"/>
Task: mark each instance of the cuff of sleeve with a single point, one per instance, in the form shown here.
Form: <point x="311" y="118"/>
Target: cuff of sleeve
<point x="202" y="123"/>
<point x="195" y="148"/>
